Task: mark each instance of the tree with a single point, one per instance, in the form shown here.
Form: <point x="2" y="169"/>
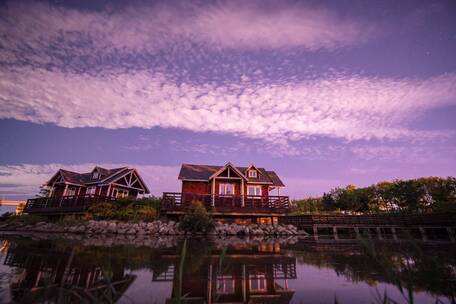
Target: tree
<point x="44" y="191"/>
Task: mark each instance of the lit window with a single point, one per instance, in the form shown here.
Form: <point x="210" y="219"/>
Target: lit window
<point x="91" y="190"/>
<point x="254" y="190"/>
<point x="226" y="189"/>
<point x="258" y="282"/>
<point x="253" y="173"/>
<point x="225" y="284"/>
<point x="71" y="191"/>
<point x="121" y="193"/>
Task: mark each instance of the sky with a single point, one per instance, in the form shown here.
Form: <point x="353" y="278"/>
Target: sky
<point x="325" y="93"/>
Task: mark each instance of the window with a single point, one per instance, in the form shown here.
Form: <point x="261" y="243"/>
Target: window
<point x="225" y="284"/>
<point x="258" y="282"/>
<point x="119" y="193"/>
<point x="253" y="173"/>
<point x="91" y="190"/>
<point x="95" y="175"/>
<point x="71" y="191"/>
<point x="254" y="190"/>
<point x="226" y="189"/>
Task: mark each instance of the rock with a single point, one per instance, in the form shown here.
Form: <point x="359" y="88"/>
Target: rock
<point x="131" y="231"/>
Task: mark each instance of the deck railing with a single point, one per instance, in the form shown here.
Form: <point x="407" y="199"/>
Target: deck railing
<point x="176" y="201"/>
<point x="64" y="204"/>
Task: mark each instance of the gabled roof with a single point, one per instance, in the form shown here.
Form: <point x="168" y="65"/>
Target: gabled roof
<point x="204" y="173"/>
<point x="228" y="165"/>
<point x="106" y="176"/>
<point x="115" y="177"/>
<point x="73" y="177"/>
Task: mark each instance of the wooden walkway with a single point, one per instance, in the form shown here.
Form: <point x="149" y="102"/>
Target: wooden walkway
<point x="436" y="219"/>
<point x="425" y="227"/>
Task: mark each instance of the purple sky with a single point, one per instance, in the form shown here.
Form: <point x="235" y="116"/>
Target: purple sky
<point x="324" y="93"/>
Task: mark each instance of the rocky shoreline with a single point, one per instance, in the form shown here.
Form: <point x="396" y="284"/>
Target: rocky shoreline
<point x="155" y="228"/>
<point x="158" y="242"/>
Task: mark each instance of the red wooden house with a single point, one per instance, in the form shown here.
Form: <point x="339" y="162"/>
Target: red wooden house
<point x="74" y="192"/>
<point x="229" y="190"/>
<point x="118" y="183"/>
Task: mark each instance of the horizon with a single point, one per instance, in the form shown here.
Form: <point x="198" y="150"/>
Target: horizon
<point x="324" y="93"/>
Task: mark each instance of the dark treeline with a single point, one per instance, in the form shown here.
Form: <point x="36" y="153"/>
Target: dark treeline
<point x="427" y="194"/>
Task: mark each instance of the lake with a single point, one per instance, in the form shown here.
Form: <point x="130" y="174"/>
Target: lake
<point x="47" y="268"/>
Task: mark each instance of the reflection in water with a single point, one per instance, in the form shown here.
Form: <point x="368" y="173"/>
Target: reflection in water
<point x="227" y="271"/>
<point x="237" y="274"/>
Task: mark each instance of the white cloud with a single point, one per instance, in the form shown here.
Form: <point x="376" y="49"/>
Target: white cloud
<point x="138" y="28"/>
<point x="24" y="180"/>
<point x="339" y="106"/>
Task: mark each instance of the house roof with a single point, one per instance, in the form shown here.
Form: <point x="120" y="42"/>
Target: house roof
<point x="204" y="173"/>
<point x="105" y="176"/>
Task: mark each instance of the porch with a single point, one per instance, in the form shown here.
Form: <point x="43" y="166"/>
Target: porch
<point x="256" y="205"/>
<point x="64" y="204"/>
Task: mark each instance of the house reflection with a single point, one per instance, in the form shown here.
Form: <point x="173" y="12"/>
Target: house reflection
<point x="53" y="274"/>
<point x="239" y="274"/>
<point x="197" y="271"/>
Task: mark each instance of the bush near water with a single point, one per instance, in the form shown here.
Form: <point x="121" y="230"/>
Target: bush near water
<point x="197" y="219"/>
<point x="124" y="210"/>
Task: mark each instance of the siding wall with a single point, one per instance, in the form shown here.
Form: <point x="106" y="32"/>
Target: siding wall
<point x="206" y="187"/>
<point x="237" y="185"/>
<point x="195" y="187"/>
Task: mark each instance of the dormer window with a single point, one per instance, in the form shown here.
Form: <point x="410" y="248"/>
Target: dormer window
<point x="95" y="175"/>
<point x="252" y="174"/>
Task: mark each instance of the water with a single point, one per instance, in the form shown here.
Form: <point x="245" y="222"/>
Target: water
<point x="45" y="268"/>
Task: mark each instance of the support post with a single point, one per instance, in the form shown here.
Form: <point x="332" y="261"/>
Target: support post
<point x="393" y="231"/>
<point x="336" y="236"/>
<point x="423" y="234"/>
<point x="64" y="193"/>
<point x="451" y="234"/>
<point x="242" y="193"/>
<point x="213" y="192"/>
<point x="209" y="287"/>
<point x="379" y="233"/>
<point x="244" y="283"/>
<point x="315" y="231"/>
<point x="358" y="235"/>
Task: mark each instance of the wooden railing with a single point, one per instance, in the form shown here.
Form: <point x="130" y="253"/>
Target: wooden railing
<point x="442" y="219"/>
<point x="64" y="204"/>
<point x="176" y="201"/>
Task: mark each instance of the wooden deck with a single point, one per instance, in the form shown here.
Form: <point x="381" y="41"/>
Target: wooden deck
<point x="64" y="204"/>
<point x="389" y="219"/>
<point x="236" y="205"/>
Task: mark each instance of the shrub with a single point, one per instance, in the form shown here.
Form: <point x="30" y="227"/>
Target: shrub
<point x="151" y="202"/>
<point x="27" y="219"/>
<point x="6" y="216"/>
<point x="102" y="211"/>
<point x="124" y="210"/>
<point x="146" y="214"/>
<point x="196" y="219"/>
<point x="126" y="213"/>
<point x="69" y="220"/>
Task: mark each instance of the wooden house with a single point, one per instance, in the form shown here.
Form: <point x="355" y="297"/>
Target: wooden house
<point x="229" y="190"/>
<point x="73" y="192"/>
<point x="119" y="183"/>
